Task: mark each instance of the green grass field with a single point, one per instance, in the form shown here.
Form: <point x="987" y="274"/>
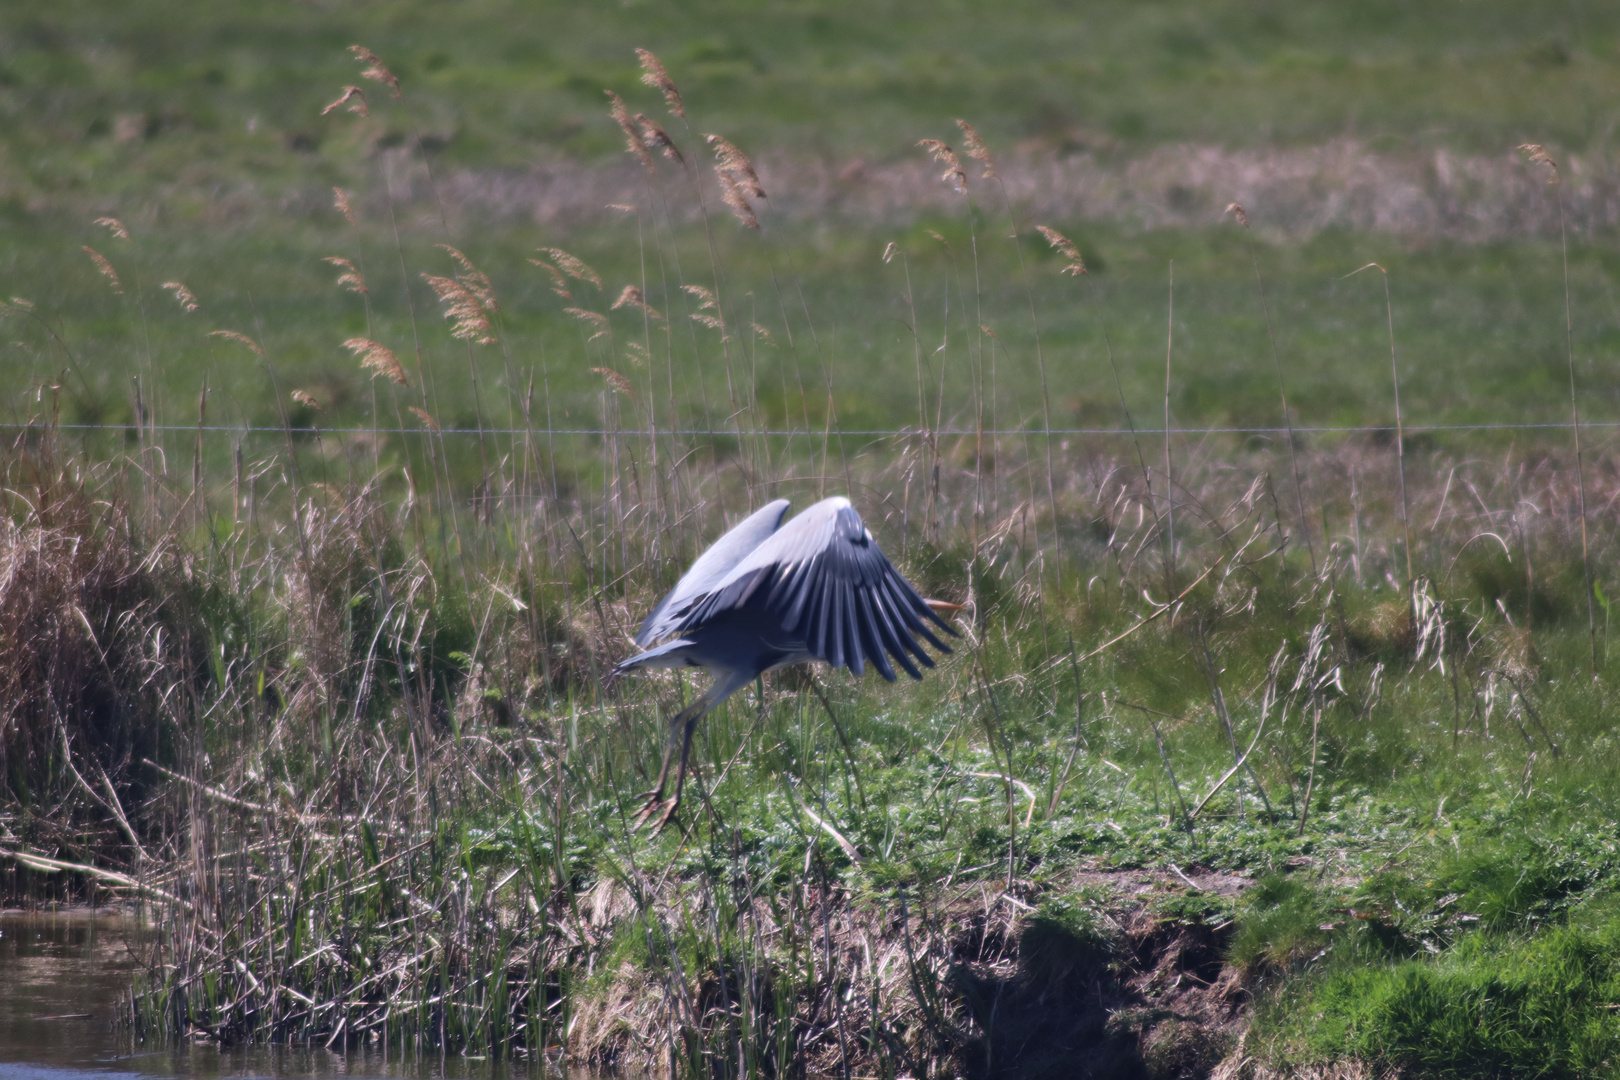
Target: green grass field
<point x="1251" y="751"/>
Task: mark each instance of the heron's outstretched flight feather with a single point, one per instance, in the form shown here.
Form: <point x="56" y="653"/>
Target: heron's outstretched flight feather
<point x="827" y="581"/>
<point x="710" y="567"/>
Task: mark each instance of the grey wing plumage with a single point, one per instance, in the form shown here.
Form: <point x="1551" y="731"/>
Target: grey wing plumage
<point x="831" y="586"/>
<point x="710" y="568"/>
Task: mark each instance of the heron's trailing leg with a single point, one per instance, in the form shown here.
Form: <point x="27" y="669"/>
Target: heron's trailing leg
<point x="682" y="726"/>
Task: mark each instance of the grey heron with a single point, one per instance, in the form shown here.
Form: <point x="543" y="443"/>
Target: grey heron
<point x="766" y="595"/>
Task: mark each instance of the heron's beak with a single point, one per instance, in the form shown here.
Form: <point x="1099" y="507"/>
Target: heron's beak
<point x="944" y="607"/>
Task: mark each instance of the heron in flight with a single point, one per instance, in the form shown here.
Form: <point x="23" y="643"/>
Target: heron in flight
<point x="767" y="595"/>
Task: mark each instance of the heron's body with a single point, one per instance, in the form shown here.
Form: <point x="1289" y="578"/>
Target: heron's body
<point x="766" y="595"/>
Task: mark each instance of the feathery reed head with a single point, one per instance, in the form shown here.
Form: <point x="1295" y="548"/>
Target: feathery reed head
<point x="890" y="252"/>
<point x="763" y="333"/>
<point x="620" y="382"/>
<point x="1237" y="212"/>
<point x="1537" y="154"/>
<point x="105" y="268"/>
<point x="351" y="278"/>
<point x="594" y="318"/>
<point x="474" y="279"/>
<point x="732" y="195"/>
<point x="377" y="358"/>
<point x="422" y="415"/>
<point x="633" y="140"/>
<point x="239" y="338"/>
<point x="738" y="180"/>
<point x="182" y="294"/>
<point x="631" y="297"/>
<point x="654" y="75"/>
<point x="114" y="226"/>
<point x="307" y="399"/>
<point x="734" y="162"/>
<point x="469" y="319"/>
<point x="953" y="174"/>
<point x="705" y="297"/>
<point x="1065" y="247"/>
<point x="375" y="69"/>
<point x="572" y="266"/>
<point x="340" y="199"/>
<point x="974" y="145"/>
<point x="654" y="137"/>
<point x="354" y="98"/>
<point x="637" y="353"/>
<point x="559" y="283"/>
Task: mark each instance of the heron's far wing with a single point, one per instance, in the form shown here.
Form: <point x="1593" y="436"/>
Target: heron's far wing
<point x="710" y="567"/>
<point x="824" y="576"/>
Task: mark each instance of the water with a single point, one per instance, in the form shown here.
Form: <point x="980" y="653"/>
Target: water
<point x="63" y="977"/>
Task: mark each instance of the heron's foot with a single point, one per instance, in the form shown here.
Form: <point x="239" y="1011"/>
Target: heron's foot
<point x="657" y="810"/>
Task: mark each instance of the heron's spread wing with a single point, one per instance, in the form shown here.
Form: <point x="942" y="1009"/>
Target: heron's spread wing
<point x="710" y="567"/>
<point x="825" y="578"/>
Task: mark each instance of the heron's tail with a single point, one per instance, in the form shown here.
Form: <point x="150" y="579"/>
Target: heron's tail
<point x="668" y="655"/>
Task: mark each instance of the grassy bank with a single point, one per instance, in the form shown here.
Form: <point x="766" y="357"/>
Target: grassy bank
<point x="1262" y="752"/>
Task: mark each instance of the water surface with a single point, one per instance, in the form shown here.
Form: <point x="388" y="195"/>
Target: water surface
<point x="64" y="983"/>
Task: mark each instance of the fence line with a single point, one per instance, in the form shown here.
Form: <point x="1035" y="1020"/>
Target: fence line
<point x="794" y="433"/>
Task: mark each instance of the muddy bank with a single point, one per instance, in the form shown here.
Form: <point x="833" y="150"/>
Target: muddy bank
<point x="1106" y="974"/>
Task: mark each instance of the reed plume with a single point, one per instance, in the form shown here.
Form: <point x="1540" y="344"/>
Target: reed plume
<point x="240" y="338"/>
<point x="307" y="399"/>
<point x="633" y="140"/>
<point x="944" y="155"/>
<point x="422" y="415"/>
<point x="559" y="282"/>
<point x="732" y="162"/>
<point x="1065" y="247"/>
<point x="182" y="294"/>
<point x="1537" y="154"/>
<point x="474" y="280"/>
<point x="354" y="98"/>
<point x="654" y="137"/>
<point x="977" y="150"/>
<point x="573" y="267"/>
<point x="105" y="268"/>
<point x="654" y="75"/>
<point x="620" y="383"/>
<point x="468" y="318"/>
<point x="351" y="278"/>
<point x="631" y="297"/>
<point x="340" y="199"/>
<point x="375" y="69"/>
<point x="377" y="358"/>
<point x="594" y="318"/>
<point x="114" y="226"/>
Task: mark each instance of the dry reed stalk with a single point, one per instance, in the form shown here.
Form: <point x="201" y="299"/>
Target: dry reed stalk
<point x="1169" y="473"/>
<point x="1538" y="155"/>
<point x="1400" y="431"/>
<point x="1242" y="218"/>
